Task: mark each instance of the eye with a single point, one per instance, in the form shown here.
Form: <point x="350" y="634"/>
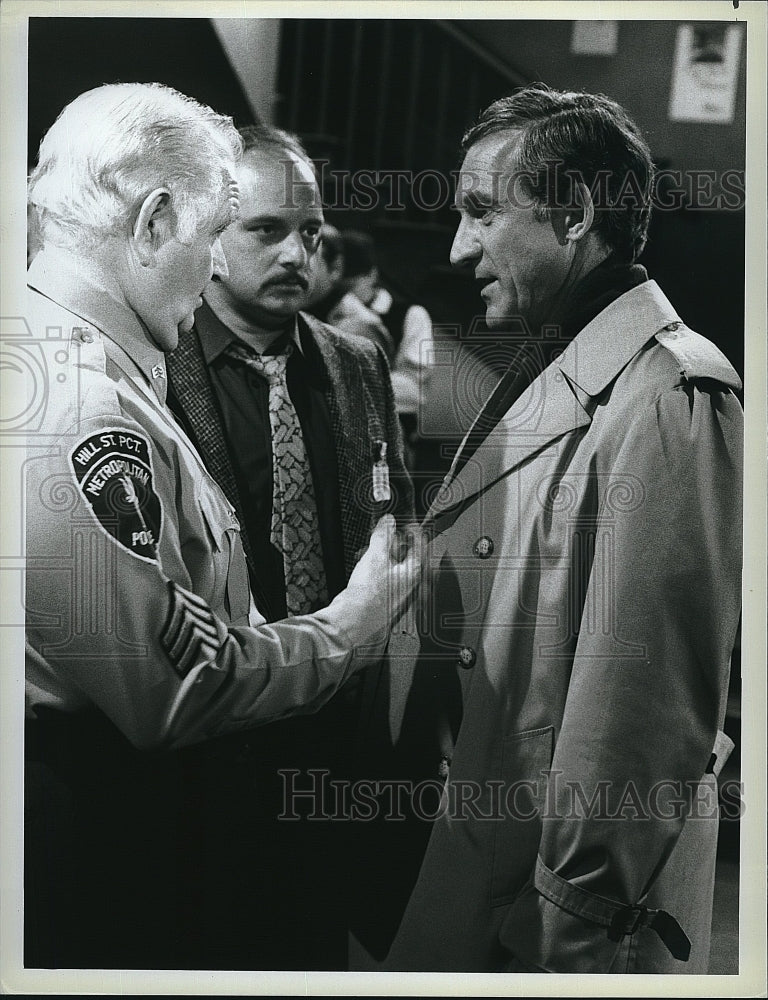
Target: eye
<point x="482" y="212"/>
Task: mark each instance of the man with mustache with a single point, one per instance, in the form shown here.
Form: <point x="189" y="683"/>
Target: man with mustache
<point x="309" y="475"/>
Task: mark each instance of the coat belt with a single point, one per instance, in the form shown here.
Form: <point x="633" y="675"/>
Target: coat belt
<point x="619" y="918"/>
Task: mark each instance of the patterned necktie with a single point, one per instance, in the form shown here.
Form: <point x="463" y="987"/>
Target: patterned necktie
<point x="294" y="531"/>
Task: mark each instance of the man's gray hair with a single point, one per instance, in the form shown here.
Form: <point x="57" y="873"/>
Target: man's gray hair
<point x="112" y="146"/>
<point x="567" y="135"/>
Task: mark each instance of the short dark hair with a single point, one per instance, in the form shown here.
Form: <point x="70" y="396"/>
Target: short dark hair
<point x="261" y="136"/>
<point x="567" y="134"/>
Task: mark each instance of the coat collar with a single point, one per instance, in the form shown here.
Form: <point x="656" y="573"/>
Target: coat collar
<point x="607" y="344"/>
<point x="559" y="400"/>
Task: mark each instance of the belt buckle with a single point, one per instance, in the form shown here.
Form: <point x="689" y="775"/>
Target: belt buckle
<point x="620" y="925"/>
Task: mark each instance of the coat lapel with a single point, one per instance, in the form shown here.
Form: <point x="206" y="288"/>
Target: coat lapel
<point x="546" y="410"/>
<point x="193" y="389"/>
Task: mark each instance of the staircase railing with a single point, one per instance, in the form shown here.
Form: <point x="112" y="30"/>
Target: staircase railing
<point x="384" y="103"/>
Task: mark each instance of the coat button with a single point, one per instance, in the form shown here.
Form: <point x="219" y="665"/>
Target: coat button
<point x="483" y="547"/>
<point x="673" y="327"/>
<point x="83" y="334"/>
<point x="467" y="657"/>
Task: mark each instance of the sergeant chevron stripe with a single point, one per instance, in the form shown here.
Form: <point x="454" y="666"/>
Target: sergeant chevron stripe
<point x="190" y="632"/>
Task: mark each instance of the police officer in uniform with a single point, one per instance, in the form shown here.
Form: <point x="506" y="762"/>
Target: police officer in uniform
<point x="142" y="636"/>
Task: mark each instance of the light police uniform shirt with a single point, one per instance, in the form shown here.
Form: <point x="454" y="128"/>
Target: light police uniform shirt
<point x="118" y="505"/>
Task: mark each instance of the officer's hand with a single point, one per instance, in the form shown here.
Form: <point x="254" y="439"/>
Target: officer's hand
<point x="385" y="577"/>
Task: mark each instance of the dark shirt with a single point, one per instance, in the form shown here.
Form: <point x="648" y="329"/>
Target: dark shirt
<point x="243" y="397"/>
<point x="604" y="284"/>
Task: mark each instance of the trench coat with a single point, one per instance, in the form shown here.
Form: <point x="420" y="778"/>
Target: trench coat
<point x="596" y="539"/>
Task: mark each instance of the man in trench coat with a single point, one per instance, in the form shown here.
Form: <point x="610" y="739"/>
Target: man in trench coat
<point x="593" y="517"/>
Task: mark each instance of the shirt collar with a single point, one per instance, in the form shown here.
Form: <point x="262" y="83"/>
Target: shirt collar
<point x="65" y="279"/>
<point x="215" y="337"/>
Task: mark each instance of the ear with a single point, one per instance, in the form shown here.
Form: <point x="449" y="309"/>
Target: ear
<point x="572" y="224"/>
<point x="153" y="225"/>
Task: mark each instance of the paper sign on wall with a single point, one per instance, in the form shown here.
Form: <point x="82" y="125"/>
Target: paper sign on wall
<point x="705" y="73"/>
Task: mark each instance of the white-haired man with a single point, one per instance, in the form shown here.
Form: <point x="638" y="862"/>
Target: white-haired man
<point x="141" y="631"/>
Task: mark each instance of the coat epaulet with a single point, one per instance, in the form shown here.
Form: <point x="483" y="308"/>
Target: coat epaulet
<point x="697" y="356"/>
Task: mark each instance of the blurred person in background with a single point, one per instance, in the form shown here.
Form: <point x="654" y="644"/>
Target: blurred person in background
<point x="331" y="300"/>
<point x="326" y="270"/>
<point x="361" y="304"/>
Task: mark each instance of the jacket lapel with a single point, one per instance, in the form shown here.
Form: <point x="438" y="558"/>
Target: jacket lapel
<point x="193" y="389"/>
<point x="196" y="396"/>
<point x="350" y="409"/>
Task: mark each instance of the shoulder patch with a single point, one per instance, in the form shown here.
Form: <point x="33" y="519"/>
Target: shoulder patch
<point x="113" y="470"/>
<point x="697" y="356"/>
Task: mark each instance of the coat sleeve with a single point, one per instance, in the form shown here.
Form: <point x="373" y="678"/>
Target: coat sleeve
<point x="112" y="621"/>
<point x="648" y="684"/>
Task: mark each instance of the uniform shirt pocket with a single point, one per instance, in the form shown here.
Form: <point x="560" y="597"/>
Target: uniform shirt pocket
<point x="230" y="594"/>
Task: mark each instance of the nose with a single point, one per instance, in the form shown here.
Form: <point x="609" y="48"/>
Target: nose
<point x="218" y="260"/>
<point x="465" y="247"/>
<point x="293" y="252"/>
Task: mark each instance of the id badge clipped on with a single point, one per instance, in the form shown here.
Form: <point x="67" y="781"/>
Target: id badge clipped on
<point x="381" y="490"/>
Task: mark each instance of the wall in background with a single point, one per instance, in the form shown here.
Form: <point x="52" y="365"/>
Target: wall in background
<point x="638" y="76"/>
<point x="252" y="46"/>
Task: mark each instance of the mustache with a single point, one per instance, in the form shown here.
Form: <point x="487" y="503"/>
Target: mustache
<point x="289" y="279"/>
